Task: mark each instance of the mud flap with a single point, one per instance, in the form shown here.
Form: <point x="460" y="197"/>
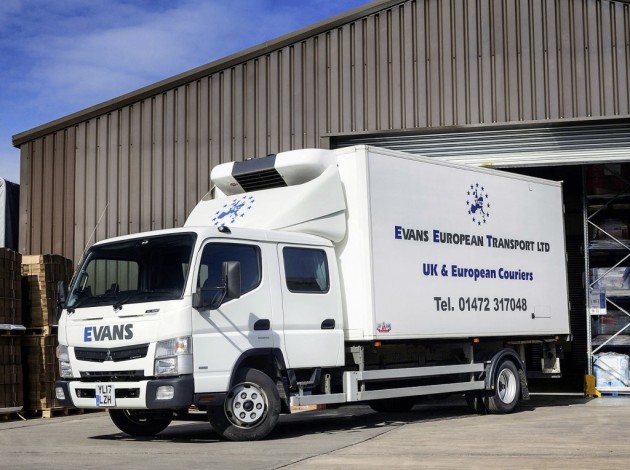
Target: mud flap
<point x="524" y="387"/>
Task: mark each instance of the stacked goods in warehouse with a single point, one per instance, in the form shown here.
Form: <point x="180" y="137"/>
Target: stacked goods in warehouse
<point x="612" y="371"/>
<point x="607" y="178"/>
<point x="40" y="371"/>
<point x="40" y="275"/>
<point x="11" y="383"/>
<point x="10" y="287"/>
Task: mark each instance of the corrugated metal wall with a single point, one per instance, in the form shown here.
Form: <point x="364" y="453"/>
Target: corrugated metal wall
<point x="414" y="64"/>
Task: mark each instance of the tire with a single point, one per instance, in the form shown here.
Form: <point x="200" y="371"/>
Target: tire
<point x="139" y="423"/>
<point x="393" y="405"/>
<point x="475" y="402"/>
<point x="507" y="389"/>
<point x="251" y="408"/>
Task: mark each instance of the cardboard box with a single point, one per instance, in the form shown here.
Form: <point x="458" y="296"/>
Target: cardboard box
<point x="40" y="275"/>
<point x="611" y="323"/>
<point x="40" y="371"/>
<point x="611" y="370"/>
<point x="11" y="375"/>
<point x="10" y="287"/>
<point x="614" y="281"/>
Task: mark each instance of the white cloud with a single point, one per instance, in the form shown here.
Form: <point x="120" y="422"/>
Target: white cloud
<point x="61" y="56"/>
<point x="77" y="67"/>
<point x="82" y="57"/>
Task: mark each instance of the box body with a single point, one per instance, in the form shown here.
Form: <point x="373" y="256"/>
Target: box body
<point x="436" y="250"/>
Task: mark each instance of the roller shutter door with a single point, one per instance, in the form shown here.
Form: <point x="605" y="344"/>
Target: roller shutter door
<point x="510" y="147"/>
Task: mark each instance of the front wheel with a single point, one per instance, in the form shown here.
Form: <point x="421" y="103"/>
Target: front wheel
<point x="507" y="389"/>
<point x="139" y="423"/>
<point x="251" y="409"/>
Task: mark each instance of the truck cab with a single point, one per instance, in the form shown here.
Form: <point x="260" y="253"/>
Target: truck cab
<point x="138" y="306"/>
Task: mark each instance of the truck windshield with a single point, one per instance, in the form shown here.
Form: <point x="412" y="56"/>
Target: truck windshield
<point x="132" y="271"/>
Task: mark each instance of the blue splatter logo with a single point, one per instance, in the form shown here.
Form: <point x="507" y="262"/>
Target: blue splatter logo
<point x="230" y="213"/>
<point x="477" y="204"/>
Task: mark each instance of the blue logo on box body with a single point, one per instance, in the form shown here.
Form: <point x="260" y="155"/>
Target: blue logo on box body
<point x="232" y="212"/>
<point x="477" y="203"/>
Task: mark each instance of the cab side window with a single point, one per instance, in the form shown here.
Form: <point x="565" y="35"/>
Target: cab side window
<point x="306" y="270"/>
<point x="213" y="256"/>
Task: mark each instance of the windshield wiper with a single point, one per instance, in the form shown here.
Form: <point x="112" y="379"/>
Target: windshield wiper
<point x="119" y="305"/>
<point x="77" y="304"/>
<point x="146" y="294"/>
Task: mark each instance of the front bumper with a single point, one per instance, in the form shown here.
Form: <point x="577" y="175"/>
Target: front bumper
<point x="129" y="395"/>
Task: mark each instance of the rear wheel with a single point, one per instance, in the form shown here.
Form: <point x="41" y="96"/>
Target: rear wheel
<point x="507" y="389"/>
<point x="393" y="405"/>
<point x="139" y="423"/>
<point x="251" y="409"/>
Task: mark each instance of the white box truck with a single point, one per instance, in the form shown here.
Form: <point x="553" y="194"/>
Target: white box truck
<point x="317" y="277"/>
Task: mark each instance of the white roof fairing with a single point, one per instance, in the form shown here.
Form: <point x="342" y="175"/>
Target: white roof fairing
<point x="315" y="207"/>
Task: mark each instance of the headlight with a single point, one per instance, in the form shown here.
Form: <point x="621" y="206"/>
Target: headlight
<point x="166" y="366"/>
<point x="174" y="347"/>
<point x="65" y="369"/>
<point x="62" y="353"/>
<point x="173" y="357"/>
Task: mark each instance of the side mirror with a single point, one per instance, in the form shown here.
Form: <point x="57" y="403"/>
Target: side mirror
<point x="213" y="297"/>
<point x="61" y="297"/>
<point x="232" y="279"/>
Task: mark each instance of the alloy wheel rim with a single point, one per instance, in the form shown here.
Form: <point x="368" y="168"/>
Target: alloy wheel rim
<point x="246" y="405"/>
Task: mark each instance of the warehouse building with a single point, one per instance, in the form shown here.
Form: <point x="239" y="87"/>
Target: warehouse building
<point x="541" y="87"/>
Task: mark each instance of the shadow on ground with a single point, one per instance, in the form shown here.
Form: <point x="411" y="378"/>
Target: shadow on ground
<point x="343" y="420"/>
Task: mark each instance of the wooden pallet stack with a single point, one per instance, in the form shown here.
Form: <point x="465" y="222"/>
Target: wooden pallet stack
<point x="10" y="287"/>
<point x="40" y="275"/>
<point x="11" y="379"/>
<point x="40" y="371"/>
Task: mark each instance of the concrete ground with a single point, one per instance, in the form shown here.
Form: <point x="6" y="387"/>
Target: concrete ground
<point x="546" y="432"/>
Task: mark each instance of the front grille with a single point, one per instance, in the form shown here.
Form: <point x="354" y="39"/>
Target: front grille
<point x="112" y="354"/>
<point x="113" y="376"/>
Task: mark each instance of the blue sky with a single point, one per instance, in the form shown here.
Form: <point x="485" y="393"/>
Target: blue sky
<point x="62" y="56"/>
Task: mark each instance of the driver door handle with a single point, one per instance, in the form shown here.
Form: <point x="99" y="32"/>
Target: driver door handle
<point x="328" y="324"/>
<point x="261" y="325"/>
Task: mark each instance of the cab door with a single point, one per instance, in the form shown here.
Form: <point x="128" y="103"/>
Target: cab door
<point x="313" y="329"/>
<point x="223" y="335"/>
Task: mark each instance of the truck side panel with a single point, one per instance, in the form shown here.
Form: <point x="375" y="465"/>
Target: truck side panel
<point x="457" y="251"/>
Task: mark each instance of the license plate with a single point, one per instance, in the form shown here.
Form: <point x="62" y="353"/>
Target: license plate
<point x="105" y="395"/>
